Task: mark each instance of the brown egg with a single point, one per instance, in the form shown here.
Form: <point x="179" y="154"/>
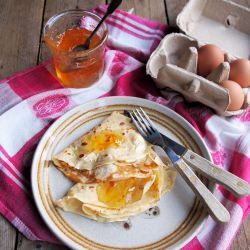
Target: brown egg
<point x="209" y="58"/>
<point x="240" y="72"/>
<point x="235" y="93"/>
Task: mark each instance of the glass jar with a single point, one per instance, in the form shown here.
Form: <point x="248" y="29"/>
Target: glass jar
<point x="62" y="33"/>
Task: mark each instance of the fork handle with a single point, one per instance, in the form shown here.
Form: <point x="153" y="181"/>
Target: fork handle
<point x="233" y="183"/>
<point x="215" y="208"/>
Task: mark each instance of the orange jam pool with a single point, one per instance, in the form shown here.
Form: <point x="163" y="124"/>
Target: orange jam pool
<point x="77" y="69"/>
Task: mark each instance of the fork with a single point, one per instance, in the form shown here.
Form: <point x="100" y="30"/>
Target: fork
<point x="149" y="132"/>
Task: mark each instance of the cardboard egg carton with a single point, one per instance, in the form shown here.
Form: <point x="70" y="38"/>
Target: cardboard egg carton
<point x="174" y="63"/>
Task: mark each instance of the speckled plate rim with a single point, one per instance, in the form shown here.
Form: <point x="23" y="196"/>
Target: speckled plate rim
<point x="102" y="103"/>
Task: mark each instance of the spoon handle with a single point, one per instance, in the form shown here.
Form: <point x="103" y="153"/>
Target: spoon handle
<point x="111" y="8"/>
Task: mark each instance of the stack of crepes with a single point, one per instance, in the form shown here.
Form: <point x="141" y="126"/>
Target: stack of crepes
<point x="117" y="173"/>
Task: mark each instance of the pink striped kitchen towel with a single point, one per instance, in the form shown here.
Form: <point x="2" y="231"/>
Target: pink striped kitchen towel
<point x="32" y="100"/>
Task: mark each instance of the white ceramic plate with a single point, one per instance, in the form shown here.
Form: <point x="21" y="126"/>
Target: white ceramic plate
<point x="181" y="214"/>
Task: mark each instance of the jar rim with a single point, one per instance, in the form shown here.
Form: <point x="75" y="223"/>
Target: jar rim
<point x="55" y="17"/>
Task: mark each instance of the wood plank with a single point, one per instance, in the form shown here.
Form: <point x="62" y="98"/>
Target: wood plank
<point x="20" y="25"/>
<point x="246" y="226"/>
<point x="24" y="244"/>
<point x="53" y="7"/>
<point x="154" y="10"/>
<point x="7" y="234"/>
<point x="242" y="239"/>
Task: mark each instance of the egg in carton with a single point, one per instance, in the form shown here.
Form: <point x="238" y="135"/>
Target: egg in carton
<point x="174" y="62"/>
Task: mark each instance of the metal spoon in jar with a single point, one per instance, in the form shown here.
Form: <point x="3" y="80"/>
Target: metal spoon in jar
<point x="111" y="8"/>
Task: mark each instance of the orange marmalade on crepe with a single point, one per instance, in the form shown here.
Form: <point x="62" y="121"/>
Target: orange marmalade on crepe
<point x="116" y="173"/>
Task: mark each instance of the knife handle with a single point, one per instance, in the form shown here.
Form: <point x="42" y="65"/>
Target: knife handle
<point x="233" y="183"/>
<point x="215" y="208"/>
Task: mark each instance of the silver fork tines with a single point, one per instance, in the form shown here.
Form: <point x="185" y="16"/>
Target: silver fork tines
<point x="145" y="126"/>
<point x="144" y="121"/>
<point x="139" y="125"/>
<point x="148" y="121"/>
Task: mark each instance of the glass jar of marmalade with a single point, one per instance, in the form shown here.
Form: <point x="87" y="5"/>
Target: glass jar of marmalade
<point x="66" y="30"/>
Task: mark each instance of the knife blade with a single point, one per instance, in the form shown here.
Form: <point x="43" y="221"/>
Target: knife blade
<point x="178" y="148"/>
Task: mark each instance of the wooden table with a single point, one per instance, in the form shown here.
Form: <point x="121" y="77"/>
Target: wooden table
<point x="22" y="46"/>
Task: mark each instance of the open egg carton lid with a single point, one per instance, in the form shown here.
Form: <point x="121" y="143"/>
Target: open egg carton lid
<point x="174" y="63"/>
<point x="220" y="22"/>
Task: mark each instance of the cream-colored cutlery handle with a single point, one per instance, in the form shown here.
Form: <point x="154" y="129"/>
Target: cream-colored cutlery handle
<point x="215" y="208"/>
<point x="230" y="181"/>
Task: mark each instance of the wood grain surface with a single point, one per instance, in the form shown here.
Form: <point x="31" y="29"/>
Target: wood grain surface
<point x="154" y="10"/>
<point x="20" y="26"/>
<point x="22" y="46"/>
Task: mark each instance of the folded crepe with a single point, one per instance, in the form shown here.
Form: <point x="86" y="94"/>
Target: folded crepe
<point x="117" y="173"/>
